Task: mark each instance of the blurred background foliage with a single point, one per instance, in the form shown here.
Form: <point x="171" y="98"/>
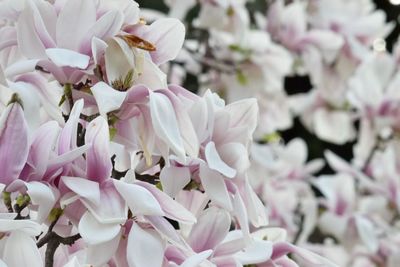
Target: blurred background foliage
<point x="298" y="84"/>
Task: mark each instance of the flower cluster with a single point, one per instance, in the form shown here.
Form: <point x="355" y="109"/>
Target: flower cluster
<point x="102" y="163"/>
<point x="346" y="209"/>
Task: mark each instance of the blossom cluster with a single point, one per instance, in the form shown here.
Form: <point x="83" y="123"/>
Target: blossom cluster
<point x="351" y="213"/>
<point x="103" y="163"/>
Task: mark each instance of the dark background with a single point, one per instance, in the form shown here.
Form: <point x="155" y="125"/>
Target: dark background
<point x="300" y="84"/>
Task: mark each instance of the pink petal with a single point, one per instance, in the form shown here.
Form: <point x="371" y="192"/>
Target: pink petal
<point x="41" y="148"/>
<point x="211" y="228"/>
<point x="13" y="143"/>
<point x="98" y="162"/>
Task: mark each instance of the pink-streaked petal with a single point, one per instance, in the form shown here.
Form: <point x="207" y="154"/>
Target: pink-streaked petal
<point x="98" y="162"/>
<point x="41" y="148"/>
<point x="203" y="237"/>
<point x="13" y="143"/>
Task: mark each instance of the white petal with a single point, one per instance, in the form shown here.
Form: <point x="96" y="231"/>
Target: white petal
<point x="67" y="58"/>
<point x="93" y="232"/>
<point x="165" y="123"/>
<point x="367" y="234"/>
<point x="174" y="179"/>
<point x="43" y="196"/>
<point x="139" y="199"/>
<point x="99" y="255"/>
<point x="145" y="248"/>
<point x="215" y="162"/>
<point x="77" y="15"/>
<point x="215" y="187"/>
<point x="29" y="227"/>
<point x="257" y="252"/>
<point x="107" y="98"/>
<point x="21" y="250"/>
<point x="197" y="259"/>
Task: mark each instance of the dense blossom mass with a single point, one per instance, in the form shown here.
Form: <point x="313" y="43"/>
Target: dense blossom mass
<point x="107" y="160"/>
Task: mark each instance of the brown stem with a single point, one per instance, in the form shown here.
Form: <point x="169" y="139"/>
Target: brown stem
<point x="53" y="241"/>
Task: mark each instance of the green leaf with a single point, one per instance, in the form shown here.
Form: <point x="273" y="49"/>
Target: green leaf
<point x="242" y="79"/>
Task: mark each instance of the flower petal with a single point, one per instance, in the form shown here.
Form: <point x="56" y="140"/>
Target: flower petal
<point x="141" y="244"/>
<point x="67" y="58"/>
<point x="139" y="199"/>
<point x="215" y="187"/>
<point x="13" y="143"/>
<point x="107" y="98"/>
<point x="174" y="179"/>
<point x="98" y="162"/>
<point x="78" y="15"/>
<point x="21" y="250"/>
<point x="165" y="123"/>
<point x="215" y="162"/>
<point x="93" y="232"/>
